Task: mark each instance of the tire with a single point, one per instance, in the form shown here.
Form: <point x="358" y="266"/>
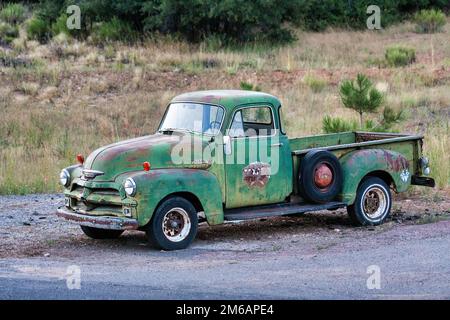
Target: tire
<point x="96" y="233"/>
<point x="162" y="235"/>
<point x="363" y="214"/>
<point x="320" y="190"/>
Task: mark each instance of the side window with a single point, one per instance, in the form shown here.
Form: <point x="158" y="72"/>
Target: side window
<point x="253" y="121"/>
<point x="261" y="115"/>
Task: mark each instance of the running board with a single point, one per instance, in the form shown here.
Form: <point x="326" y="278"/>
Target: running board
<point x="279" y="209"/>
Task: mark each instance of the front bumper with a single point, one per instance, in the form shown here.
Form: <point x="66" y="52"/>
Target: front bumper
<point x="101" y="222"/>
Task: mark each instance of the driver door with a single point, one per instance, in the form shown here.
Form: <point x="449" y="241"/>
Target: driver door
<point x="255" y="161"/>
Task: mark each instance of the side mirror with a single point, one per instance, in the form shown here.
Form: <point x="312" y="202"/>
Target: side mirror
<point x="227" y="145"/>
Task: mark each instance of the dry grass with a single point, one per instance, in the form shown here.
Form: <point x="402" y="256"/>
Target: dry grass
<point x="72" y="98"/>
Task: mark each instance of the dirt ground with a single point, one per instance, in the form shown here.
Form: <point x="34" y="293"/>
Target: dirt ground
<point x="29" y="227"/>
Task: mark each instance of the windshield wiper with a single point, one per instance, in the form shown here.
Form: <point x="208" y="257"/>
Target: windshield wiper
<point x="170" y="130"/>
<point x="167" y="130"/>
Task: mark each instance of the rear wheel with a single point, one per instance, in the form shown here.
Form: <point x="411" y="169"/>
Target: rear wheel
<point x="373" y="202"/>
<point x="173" y="225"/>
<point x="96" y="233"/>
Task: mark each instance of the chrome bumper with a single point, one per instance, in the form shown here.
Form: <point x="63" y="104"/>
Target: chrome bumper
<point x="101" y="222"/>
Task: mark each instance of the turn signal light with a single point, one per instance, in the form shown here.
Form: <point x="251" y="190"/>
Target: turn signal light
<point x="80" y="158"/>
<point x="146" y="166"/>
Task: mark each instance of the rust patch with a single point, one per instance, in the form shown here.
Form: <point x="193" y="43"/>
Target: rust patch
<point x="256" y="174"/>
<point x="323" y="176"/>
<point x="396" y="163"/>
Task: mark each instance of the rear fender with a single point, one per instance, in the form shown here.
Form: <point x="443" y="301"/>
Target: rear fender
<point x="360" y="163"/>
<point x="155" y="185"/>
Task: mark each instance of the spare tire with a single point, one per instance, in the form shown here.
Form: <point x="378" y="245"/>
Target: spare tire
<point x="320" y="176"/>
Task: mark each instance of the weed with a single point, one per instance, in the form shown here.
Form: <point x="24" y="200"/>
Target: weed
<point x="430" y="21"/>
<point x="314" y="83"/>
<point x="400" y="56"/>
<point x="249" y="86"/>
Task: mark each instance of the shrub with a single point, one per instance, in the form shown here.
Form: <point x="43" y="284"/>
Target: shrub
<point x="249" y="86"/>
<point x="37" y="29"/>
<point x="429" y="21"/>
<point x="391" y="117"/>
<point x="8" y="32"/>
<point x="234" y="21"/>
<point x="315" y="84"/>
<point x="335" y="125"/>
<point x="28" y="88"/>
<point x="13" y="13"/>
<point x="60" y="26"/>
<point x="114" y="30"/>
<point x="400" y="56"/>
<point x="361" y="96"/>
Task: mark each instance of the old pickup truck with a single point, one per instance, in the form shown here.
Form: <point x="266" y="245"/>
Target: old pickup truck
<point x="224" y="156"/>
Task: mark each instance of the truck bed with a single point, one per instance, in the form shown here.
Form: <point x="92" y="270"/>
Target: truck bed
<point x="349" y="140"/>
<point x="341" y="143"/>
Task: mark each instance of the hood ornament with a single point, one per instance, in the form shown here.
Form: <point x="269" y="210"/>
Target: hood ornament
<point x="90" y="174"/>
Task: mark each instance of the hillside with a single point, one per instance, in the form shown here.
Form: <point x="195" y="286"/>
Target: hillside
<point x="67" y="97"/>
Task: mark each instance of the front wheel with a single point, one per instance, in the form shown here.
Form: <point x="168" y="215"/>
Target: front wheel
<point x="96" y="233"/>
<point x="373" y="203"/>
<point x="173" y="225"/>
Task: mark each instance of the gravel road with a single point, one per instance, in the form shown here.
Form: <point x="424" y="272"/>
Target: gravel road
<point x="314" y="256"/>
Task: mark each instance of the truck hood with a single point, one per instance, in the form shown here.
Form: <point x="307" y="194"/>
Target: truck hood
<point x="129" y="155"/>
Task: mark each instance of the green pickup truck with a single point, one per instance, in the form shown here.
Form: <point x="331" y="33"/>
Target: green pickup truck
<point x="224" y="156"/>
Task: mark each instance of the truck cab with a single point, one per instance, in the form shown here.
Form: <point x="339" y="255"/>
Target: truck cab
<point x="223" y="155"/>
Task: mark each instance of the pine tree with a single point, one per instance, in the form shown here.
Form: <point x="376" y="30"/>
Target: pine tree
<point x="360" y="95"/>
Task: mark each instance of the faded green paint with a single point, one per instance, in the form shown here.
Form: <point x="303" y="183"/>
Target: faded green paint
<point x="128" y="156"/>
<point x="217" y="186"/>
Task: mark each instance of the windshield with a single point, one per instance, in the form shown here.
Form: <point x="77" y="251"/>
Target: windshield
<point x="193" y="117"/>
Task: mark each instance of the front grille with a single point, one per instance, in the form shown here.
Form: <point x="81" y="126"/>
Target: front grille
<point x="109" y="192"/>
<point x="105" y="201"/>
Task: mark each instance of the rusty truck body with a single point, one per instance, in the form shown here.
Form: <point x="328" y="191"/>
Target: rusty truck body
<point x="224" y="156"/>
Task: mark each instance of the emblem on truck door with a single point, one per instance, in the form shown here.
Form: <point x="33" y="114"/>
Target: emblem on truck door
<point x="256" y="174"/>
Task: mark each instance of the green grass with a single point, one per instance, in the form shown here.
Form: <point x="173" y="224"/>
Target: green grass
<point x="13" y="13"/>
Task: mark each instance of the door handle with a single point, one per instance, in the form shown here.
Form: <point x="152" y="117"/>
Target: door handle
<point x="277" y="145"/>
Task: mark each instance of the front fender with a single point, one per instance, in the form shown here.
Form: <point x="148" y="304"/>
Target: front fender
<point x="357" y="164"/>
<point x="154" y="185"/>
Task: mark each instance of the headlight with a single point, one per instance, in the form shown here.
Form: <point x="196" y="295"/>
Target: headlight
<point x="130" y="187"/>
<point x="64" y="177"/>
<point x="424" y="162"/>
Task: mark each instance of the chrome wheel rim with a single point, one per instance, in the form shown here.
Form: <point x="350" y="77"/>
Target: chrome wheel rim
<point x="375" y="202"/>
<point x="176" y="224"/>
